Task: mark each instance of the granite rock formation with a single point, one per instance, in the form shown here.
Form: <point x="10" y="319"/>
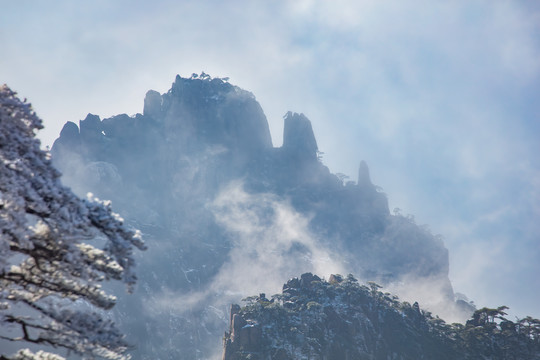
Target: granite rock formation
<point x="340" y="319"/>
<point x="163" y="170"/>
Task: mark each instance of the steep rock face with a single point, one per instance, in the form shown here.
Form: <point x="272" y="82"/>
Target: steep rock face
<point x="69" y="140"/>
<point x="364" y="180"/>
<point x="164" y="170"/>
<point x="343" y="320"/>
<point x="339" y="319"/>
<point x="298" y="137"/>
<point x="152" y="104"/>
<point x="214" y="112"/>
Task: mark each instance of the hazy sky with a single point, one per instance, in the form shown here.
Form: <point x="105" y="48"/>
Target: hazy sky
<point x="440" y="98"/>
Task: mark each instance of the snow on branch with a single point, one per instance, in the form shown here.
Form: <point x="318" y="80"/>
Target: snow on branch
<point x="47" y="261"/>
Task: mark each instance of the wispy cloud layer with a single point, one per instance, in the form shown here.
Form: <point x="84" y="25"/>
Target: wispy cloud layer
<point x="270" y="243"/>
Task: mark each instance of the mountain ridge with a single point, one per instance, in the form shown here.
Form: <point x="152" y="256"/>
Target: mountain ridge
<point x="341" y="319"/>
<point x="165" y="171"/>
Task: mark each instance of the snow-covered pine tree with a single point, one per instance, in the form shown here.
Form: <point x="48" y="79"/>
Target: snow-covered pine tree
<point x="50" y="273"/>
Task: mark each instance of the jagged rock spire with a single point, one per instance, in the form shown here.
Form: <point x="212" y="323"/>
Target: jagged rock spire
<point x="298" y="135"/>
<point x="363" y="175"/>
<point x="90" y="125"/>
<point x="152" y="104"/>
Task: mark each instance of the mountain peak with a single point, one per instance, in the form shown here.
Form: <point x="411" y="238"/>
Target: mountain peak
<point x="152" y="104"/>
<point x="298" y="135"/>
<point x="343" y="319"/>
<point x="168" y="169"/>
<point x="364" y="180"/>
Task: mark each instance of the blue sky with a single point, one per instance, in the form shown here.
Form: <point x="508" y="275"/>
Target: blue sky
<point x="440" y="98"/>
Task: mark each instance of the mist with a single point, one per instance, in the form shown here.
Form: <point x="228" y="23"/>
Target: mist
<point x="439" y="99"/>
<point x="227" y="215"/>
<point x="270" y="243"/>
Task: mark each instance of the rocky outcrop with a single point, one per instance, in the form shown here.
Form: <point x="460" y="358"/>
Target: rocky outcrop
<point x="91" y="133"/>
<point x="70" y="133"/>
<point x="242" y="336"/>
<point x="164" y="168"/>
<point x="69" y="140"/>
<point x="339" y="319"/>
<point x="364" y="180"/>
<point x="344" y="320"/>
<point x="298" y="137"/>
<point x="209" y="111"/>
<point x="152" y="104"/>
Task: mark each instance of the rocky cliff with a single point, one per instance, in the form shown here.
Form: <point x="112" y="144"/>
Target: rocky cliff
<point x="198" y="174"/>
<point x="343" y="320"/>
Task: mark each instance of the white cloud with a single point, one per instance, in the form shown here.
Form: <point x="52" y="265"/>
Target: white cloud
<point x="270" y="243"/>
